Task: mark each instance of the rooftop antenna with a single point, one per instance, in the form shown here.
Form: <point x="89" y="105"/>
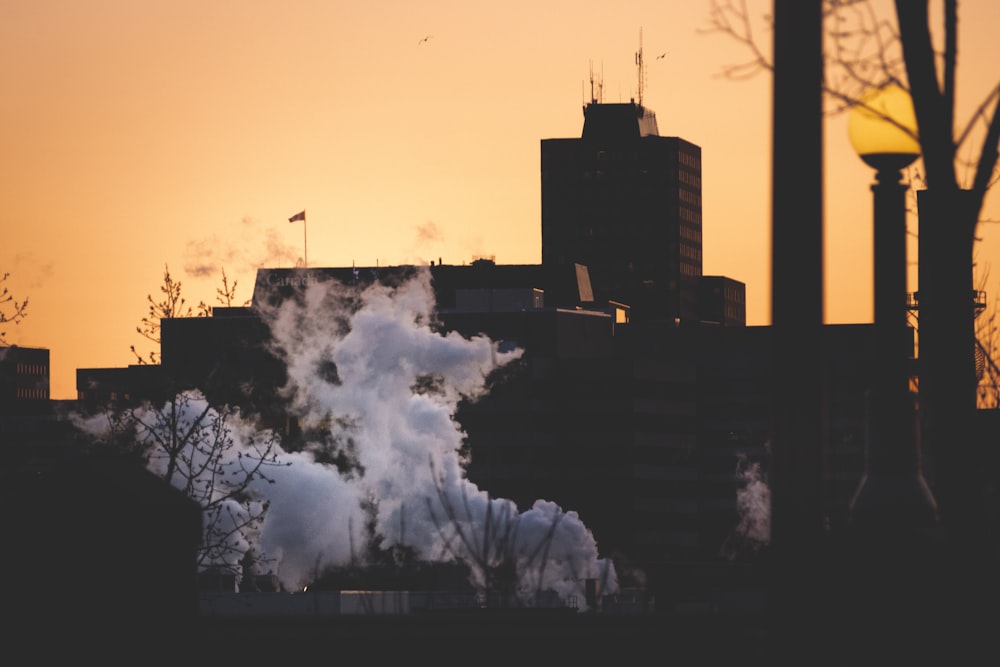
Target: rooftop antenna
<point x="597" y="98"/>
<point x="592" y="98"/>
<point x="639" y="66"/>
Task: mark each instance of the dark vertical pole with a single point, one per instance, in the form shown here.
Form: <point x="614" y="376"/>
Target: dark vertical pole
<point x="892" y="540"/>
<point x="889" y="224"/>
<point x="893" y="502"/>
<point x="798" y="414"/>
<point x="947" y="376"/>
<point x="895" y="419"/>
<point x="947" y="350"/>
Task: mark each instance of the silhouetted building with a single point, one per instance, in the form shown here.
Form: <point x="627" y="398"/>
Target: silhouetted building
<point x="97" y="388"/>
<point x="226" y="357"/>
<point x="722" y="300"/>
<point x="97" y="549"/>
<point x="594" y="418"/>
<point x="641" y="399"/>
<point x="24" y="379"/>
<point x="650" y="431"/>
<point x="626" y="203"/>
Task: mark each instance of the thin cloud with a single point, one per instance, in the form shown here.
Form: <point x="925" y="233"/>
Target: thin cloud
<point x="30" y="272"/>
<point x="429" y="232"/>
<point x="248" y="247"/>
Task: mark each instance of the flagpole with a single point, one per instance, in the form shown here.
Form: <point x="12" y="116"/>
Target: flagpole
<point x="305" y="244"/>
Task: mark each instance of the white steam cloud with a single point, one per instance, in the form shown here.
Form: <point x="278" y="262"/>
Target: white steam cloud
<point x="383" y="385"/>
<point x="753" y="506"/>
<point x="374" y="384"/>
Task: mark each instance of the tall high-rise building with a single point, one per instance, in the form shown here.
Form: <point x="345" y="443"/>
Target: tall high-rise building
<point x="626" y="203"/>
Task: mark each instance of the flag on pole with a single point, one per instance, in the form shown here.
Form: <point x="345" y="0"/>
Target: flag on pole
<point x="301" y="215"/>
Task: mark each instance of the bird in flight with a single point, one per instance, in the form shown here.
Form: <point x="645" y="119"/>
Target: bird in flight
<point x="425" y="39"/>
<point x="662" y="55"/>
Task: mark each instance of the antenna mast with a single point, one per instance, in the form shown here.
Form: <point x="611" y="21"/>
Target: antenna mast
<point x="639" y="66"/>
<point x="599" y="97"/>
<point x="592" y="98"/>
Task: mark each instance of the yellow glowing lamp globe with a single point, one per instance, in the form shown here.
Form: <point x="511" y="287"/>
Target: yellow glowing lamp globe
<point x="883" y="143"/>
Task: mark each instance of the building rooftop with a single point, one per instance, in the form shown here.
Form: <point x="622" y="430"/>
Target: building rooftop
<point x="618" y="122"/>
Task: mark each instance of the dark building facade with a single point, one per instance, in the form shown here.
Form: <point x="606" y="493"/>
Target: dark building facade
<point x="24" y="379"/>
<point x="641" y="427"/>
<point x="225" y="356"/>
<point x="722" y="300"/>
<point x="626" y="203"/>
<point x="641" y="394"/>
<point x="126" y="386"/>
<point x="650" y="430"/>
<point x="98" y="550"/>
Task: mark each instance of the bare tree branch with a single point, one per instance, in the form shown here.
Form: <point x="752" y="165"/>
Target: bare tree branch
<point x="193" y="446"/>
<point x="12" y="311"/>
<point x="986" y="168"/>
<point x="979" y="115"/>
<point x="504" y="567"/>
<point x="172" y="304"/>
<point x="226" y="294"/>
<point x="733" y="19"/>
<point x="950" y="9"/>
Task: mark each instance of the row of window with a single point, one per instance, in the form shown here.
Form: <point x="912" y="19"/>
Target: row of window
<point x="689" y="160"/>
<point x="36" y="393"/>
<point x="690" y="197"/>
<point x="689" y="178"/>
<point x="32" y="369"/>
<point x="688" y="232"/>
<point x="690" y="215"/>
<point x="690" y="252"/>
<point x="689" y="269"/>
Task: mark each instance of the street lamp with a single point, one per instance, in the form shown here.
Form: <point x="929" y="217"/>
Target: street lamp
<point x="882" y="128"/>
<point x="892" y="500"/>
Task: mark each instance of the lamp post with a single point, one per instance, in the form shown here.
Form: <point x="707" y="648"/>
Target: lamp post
<point x="893" y="532"/>
<point x="893" y="501"/>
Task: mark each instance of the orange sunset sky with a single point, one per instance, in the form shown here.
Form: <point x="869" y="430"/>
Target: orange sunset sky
<point x="143" y="133"/>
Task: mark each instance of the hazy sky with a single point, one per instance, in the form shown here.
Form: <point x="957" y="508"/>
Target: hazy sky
<point x="144" y="133"/>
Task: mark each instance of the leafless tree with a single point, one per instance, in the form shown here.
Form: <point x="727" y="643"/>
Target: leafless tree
<point x="507" y="569"/>
<point x="211" y="454"/>
<point x="226" y="293"/>
<point x="172" y="304"/>
<point x="12" y="311"/>
<point x="862" y="51"/>
<point x="987" y="354"/>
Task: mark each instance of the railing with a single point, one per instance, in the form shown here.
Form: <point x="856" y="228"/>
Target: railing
<point x="978" y="300"/>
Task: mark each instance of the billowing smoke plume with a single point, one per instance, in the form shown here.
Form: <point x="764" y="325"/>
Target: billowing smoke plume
<point x="376" y="387"/>
<point x="381" y="386"/>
